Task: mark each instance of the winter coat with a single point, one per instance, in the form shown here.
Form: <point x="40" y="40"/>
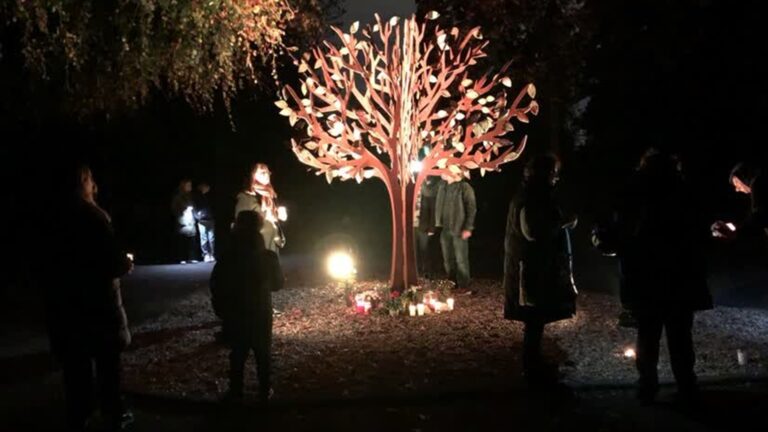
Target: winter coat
<point x="659" y="236"/>
<point x="84" y="305"/>
<point x="425" y="220"/>
<point x="538" y="276"/>
<point x="182" y="207"/>
<point x="273" y="235"/>
<point x="241" y="286"/>
<point x="759" y="214"/>
<point x="455" y="207"/>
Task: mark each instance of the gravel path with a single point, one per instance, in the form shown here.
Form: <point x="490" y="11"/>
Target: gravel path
<point x="323" y="350"/>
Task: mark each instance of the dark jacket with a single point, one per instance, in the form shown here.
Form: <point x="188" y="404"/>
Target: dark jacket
<point x="660" y="236"/>
<point x="182" y="207"/>
<point x="274" y="239"/>
<point x="426" y="211"/>
<point x="759" y="214"/>
<point x="455" y="207"/>
<point x="202" y="205"/>
<point x="241" y="286"/>
<point x="538" y="278"/>
<point x="84" y="307"/>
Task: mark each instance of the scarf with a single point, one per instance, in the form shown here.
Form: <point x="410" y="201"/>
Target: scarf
<point x="268" y="197"/>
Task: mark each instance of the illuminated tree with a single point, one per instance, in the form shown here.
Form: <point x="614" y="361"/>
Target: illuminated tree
<point x="110" y="55"/>
<point x="373" y="105"/>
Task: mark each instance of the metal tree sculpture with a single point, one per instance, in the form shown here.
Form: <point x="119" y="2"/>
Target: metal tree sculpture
<point x="370" y="105"/>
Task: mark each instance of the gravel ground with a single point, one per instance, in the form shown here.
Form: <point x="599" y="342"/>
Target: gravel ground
<point x="322" y="349"/>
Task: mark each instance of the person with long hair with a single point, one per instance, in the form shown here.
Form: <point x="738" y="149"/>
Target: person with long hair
<point x="538" y="273"/>
<point x="86" y="320"/>
<point x="259" y="195"/>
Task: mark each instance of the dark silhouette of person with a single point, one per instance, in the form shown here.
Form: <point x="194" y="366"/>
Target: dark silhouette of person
<point x="425" y="226"/>
<point x="241" y="292"/>
<point x="183" y="208"/>
<point x="86" y="321"/>
<point x="660" y="235"/>
<point x="538" y="278"/>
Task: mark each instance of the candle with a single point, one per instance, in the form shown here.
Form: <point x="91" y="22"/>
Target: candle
<point x="130" y="256"/>
<point x="450" y="303"/>
<point x="420" y="309"/>
<point x="629" y="353"/>
<point x="412" y="309"/>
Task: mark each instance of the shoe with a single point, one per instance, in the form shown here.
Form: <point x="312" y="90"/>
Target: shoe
<point x="182" y="262"/>
<point x="194" y="261"/>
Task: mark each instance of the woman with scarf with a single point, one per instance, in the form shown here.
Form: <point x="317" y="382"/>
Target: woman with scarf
<point x="260" y="196"/>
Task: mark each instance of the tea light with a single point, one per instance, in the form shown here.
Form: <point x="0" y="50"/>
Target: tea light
<point x="412" y="309"/>
<point x="630" y="353"/>
<point x="450" y="303"/>
<point x="741" y="357"/>
<point x="420" y="309"/>
<point x="130" y="256"/>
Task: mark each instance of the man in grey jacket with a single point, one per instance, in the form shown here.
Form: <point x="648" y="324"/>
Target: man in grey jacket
<point x="455" y="210"/>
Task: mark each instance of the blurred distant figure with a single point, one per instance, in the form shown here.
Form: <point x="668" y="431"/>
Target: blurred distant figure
<point x="748" y="179"/>
<point x="538" y="270"/>
<point x="259" y="196"/>
<point x="86" y="321"/>
<point x="183" y="207"/>
<point x="660" y="238"/>
<point x="205" y="224"/>
<point x="241" y="292"/>
<point x="424" y="224"/>
<point x="455" y="210"/>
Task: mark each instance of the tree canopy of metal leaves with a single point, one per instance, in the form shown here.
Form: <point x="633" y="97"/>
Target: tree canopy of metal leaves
<point x="111" y="54"/>
<point x="382" y="97"/>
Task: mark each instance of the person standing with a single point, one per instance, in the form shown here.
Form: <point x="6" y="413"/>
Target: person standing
<point x="182" y="207"/>
<point x="455" y="210"/>
<point x="424" y="224"/>
<point x="538" y="271"/>
<point x="86" y="322"/>
<point x="259" y="196"/>
<point x="205" y="224"/>
<point x="241" y="292"/>
<point x="660" y="241"/>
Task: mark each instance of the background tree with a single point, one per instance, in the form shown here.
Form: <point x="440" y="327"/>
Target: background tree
<point x="108" y="55"/>
<point x="551" y="40"/>
<point x="373" y="105"/>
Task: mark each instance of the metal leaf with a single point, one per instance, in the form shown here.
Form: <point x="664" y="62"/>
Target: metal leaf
<point x="310" y="145"/>
<point x="471" y="94"/>
<point x="432" y="15"/>
<point x="286" y="112"/>
<point x="354" y="27"/>
<point x="531" y="91"/>
<point x="281" y="104"/>
<point x="506" y="81"/>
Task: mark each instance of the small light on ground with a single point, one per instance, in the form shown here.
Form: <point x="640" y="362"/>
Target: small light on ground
<point x="630" y="353"/>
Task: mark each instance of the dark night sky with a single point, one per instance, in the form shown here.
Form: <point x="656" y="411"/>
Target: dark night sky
<point x="687" y="76"/>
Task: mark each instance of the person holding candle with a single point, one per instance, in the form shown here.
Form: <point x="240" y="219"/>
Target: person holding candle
<point x="242" y="282"/>
<point x="538" y="278"/>
<point x="260" y="196"/>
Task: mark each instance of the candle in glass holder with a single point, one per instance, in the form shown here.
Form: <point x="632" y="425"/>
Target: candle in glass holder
<point x="130" y="256"/>
<point x="420" y="309"/>
<point x="450" y="303"/>
<point x="412" y="309"/>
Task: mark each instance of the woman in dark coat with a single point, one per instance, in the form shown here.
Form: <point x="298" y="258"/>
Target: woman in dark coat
<point x="241" y="286"/>
<point x="538" y="278"/>
<point x="260" y="196"/>
<point x="86" y="321"/>
<point x="660" y="236"/>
